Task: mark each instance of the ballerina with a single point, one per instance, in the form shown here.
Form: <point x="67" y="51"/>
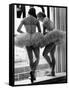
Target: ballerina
<point x="51" y="38"/>
<point x="25" y="39"/>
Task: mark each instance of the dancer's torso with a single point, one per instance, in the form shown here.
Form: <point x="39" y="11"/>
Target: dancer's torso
<point x="48" y="24"/>
<point x="30" y="24"/>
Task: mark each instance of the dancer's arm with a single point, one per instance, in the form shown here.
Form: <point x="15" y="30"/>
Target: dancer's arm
<point x="59" y="42"/>
<point x="38" y="25"/>
<point x="20" y="26"/>
<point x="44" y="30"/>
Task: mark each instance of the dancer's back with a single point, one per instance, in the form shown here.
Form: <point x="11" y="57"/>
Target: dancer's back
<point x="30" y="24"/>
<point x="30" y="37"/>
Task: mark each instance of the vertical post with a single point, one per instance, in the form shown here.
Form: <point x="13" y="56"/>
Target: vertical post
<point x="63" y="48"/>
<point x="21" y="11"/>
<point x="48" y="12"/>
<point x="58" y="53"/>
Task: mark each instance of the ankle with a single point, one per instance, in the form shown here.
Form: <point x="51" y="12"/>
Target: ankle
<point x="53" y="73"/>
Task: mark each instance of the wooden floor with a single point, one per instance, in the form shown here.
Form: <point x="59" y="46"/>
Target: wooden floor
<point x="58" y="78"/>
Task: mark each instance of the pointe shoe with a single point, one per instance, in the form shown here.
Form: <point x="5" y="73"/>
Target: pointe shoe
<point x="32" y="76"/>
<point x="53" y="73"/>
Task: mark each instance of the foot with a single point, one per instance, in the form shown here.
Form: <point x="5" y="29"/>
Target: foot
<point x="32" y="76"/>
<point x="53" y="73"/>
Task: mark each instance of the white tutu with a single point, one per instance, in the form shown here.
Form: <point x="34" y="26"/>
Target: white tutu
<point x="55" y="36"/>
<point x="38" y="39"/>
<point x="27" y="39"/>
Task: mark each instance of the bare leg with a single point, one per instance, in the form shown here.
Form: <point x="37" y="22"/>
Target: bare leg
<point x="45" y="54"/>
<point x="36" y="52"/>
<point x="33" y="65"/>
<point x="30" y="55"/>
<point x="53" y="60"/>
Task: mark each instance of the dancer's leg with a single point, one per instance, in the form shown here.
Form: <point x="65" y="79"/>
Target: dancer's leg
<point x="45" y="54"/>
<point x="53" y="60"/>
<point x="30" y="55"/>
<point x="36" y="52"/>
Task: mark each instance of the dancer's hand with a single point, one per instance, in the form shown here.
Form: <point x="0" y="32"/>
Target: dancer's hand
<point x="59" y="42"/>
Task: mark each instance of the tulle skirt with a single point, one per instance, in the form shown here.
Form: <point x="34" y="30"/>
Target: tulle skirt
<point x="27" y="39"/>
<point x="40" y="40"/>
<point x="55" y="36"/>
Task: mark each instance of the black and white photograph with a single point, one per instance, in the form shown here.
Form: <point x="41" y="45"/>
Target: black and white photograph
<point x="38" y="44"/>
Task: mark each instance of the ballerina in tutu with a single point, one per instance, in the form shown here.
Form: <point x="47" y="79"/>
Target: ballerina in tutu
<point x="51" y="39"/>
<point x="28" y="39"/>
